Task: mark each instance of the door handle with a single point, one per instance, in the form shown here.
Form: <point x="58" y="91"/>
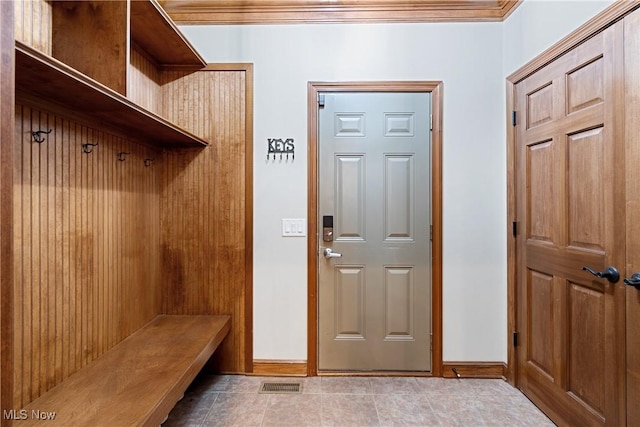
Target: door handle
<point x="609" y="273"/>
<point x="328" y="253"/>
<point x="634" y="280"/>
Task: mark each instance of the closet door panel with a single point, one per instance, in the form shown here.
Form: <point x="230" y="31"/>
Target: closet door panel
<point x="569" y="172"/>
<point x="632" y="137"/>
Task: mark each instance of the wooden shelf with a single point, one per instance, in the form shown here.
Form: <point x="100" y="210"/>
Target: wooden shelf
<point x="158" y="36"/>
<point x="44" y="78"/>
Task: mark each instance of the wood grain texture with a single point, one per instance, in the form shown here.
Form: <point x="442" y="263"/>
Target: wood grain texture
<point x="280" y="368"/>
<point x="474" y="369"/>
<point x="571" y="352"/>
<point x="615" y="12"/>
<point x="33" y="24"/>
<point x="511" y="368"/>
<point x="632" y="136"/>
<point x="148" y="373"/>
<point x="155" y="32"/>
<point x="143" y="82"/>
<point x="310" y="11"/>
<point x="436" y="90"/>
<point x="47" y="80"/>
<point x="99" y="47"/>
<point x="7" y="106"/>
<point x="86" y="244"/>
<point x="206" y="205"/>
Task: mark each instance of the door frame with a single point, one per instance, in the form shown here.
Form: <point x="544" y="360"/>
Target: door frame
<point x="313" y="90"/>
<point x="595" y="25"/>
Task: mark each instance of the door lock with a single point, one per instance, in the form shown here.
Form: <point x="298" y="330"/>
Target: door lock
<point x="327" y="228"/>
<point x="328" y="253"/>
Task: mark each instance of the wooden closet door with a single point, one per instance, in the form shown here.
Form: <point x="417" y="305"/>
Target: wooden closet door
<point x="570" y="208"/>
<point x="632" y="136"/>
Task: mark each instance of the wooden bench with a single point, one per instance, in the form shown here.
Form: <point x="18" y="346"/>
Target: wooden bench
<point x="137" y="382"/>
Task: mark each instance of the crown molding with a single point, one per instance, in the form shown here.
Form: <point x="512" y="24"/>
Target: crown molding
<point x="335" y="11"/>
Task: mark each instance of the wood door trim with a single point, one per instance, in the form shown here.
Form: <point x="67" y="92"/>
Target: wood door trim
<point x="248" y="219"/>
<point x="604" y="19"/>
<point x="7" y="135"/>
<point x="313" y="89"/>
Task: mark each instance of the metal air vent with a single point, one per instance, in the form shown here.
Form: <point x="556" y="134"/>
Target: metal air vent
<point x="278" y="387"/>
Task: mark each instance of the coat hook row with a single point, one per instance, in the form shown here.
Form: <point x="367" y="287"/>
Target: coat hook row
<point x="122" y="154"/>
<point x="37" y="135"/>
<point x="87" y="148"/>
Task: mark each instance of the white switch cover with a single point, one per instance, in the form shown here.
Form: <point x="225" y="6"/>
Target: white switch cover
<point x="294" y="227"/>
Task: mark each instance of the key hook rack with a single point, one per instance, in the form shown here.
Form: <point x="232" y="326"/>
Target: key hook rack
<point x="278" y="146"/>
<point x="37" y="135"/>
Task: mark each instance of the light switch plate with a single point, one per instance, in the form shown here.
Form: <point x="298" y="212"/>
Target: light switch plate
<point x="294" y="227"/>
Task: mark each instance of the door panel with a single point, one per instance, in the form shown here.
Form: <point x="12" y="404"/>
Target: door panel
<point x="398" y="198"/>
<point x="632" y="136"/>
<point x="374" y="180"/>
<point x="350" y="198"/>
<point x="568" y="197"/>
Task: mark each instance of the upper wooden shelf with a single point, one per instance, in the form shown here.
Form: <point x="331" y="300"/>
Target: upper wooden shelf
<point x="39" y="76"/>
<point x="154" y="31"/>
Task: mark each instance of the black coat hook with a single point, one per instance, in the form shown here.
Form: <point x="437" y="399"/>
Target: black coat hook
<point x="88" y="147"/>
<point x="147" y="162"/>
<point x="37" y="135"/>
<point x="121" y="155"/>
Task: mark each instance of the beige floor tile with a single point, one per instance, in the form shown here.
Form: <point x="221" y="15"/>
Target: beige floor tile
<point x="237" y="409"/>
<point x="394" y="385"/>
<point x="233" y="400"/>
<point x="346" y="385"/>
<point x="301" y="410"/>
<point x="405" y="410"/>
<point x="347" y="410"/>
<point x="191" y="410"/>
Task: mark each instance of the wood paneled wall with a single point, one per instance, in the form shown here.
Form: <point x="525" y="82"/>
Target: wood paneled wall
<point x="143" y="78"/>
<point x="86" y="247"/>
<point x="33" y="24"/>
<point x="206" y="209"/>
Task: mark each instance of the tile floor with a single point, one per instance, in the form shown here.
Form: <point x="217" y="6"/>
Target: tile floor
<point x="229" y="400"/>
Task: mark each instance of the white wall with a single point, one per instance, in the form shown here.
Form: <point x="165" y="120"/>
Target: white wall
<point x="465" y="57"/>
<point x="538" y="24"/>
<point x="472" y="60"/>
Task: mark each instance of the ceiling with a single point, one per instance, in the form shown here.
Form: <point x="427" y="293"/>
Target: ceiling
<point x="337" y="11"/>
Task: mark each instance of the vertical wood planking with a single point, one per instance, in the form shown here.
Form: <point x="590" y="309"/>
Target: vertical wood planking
<point x="142" y="82"/>
<point x="99" y="47"/>
<point x="7" y="131"/>
<point x="86" y="239"/>
<point x="203" y="213"/>
<point x="33" y="24"/>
